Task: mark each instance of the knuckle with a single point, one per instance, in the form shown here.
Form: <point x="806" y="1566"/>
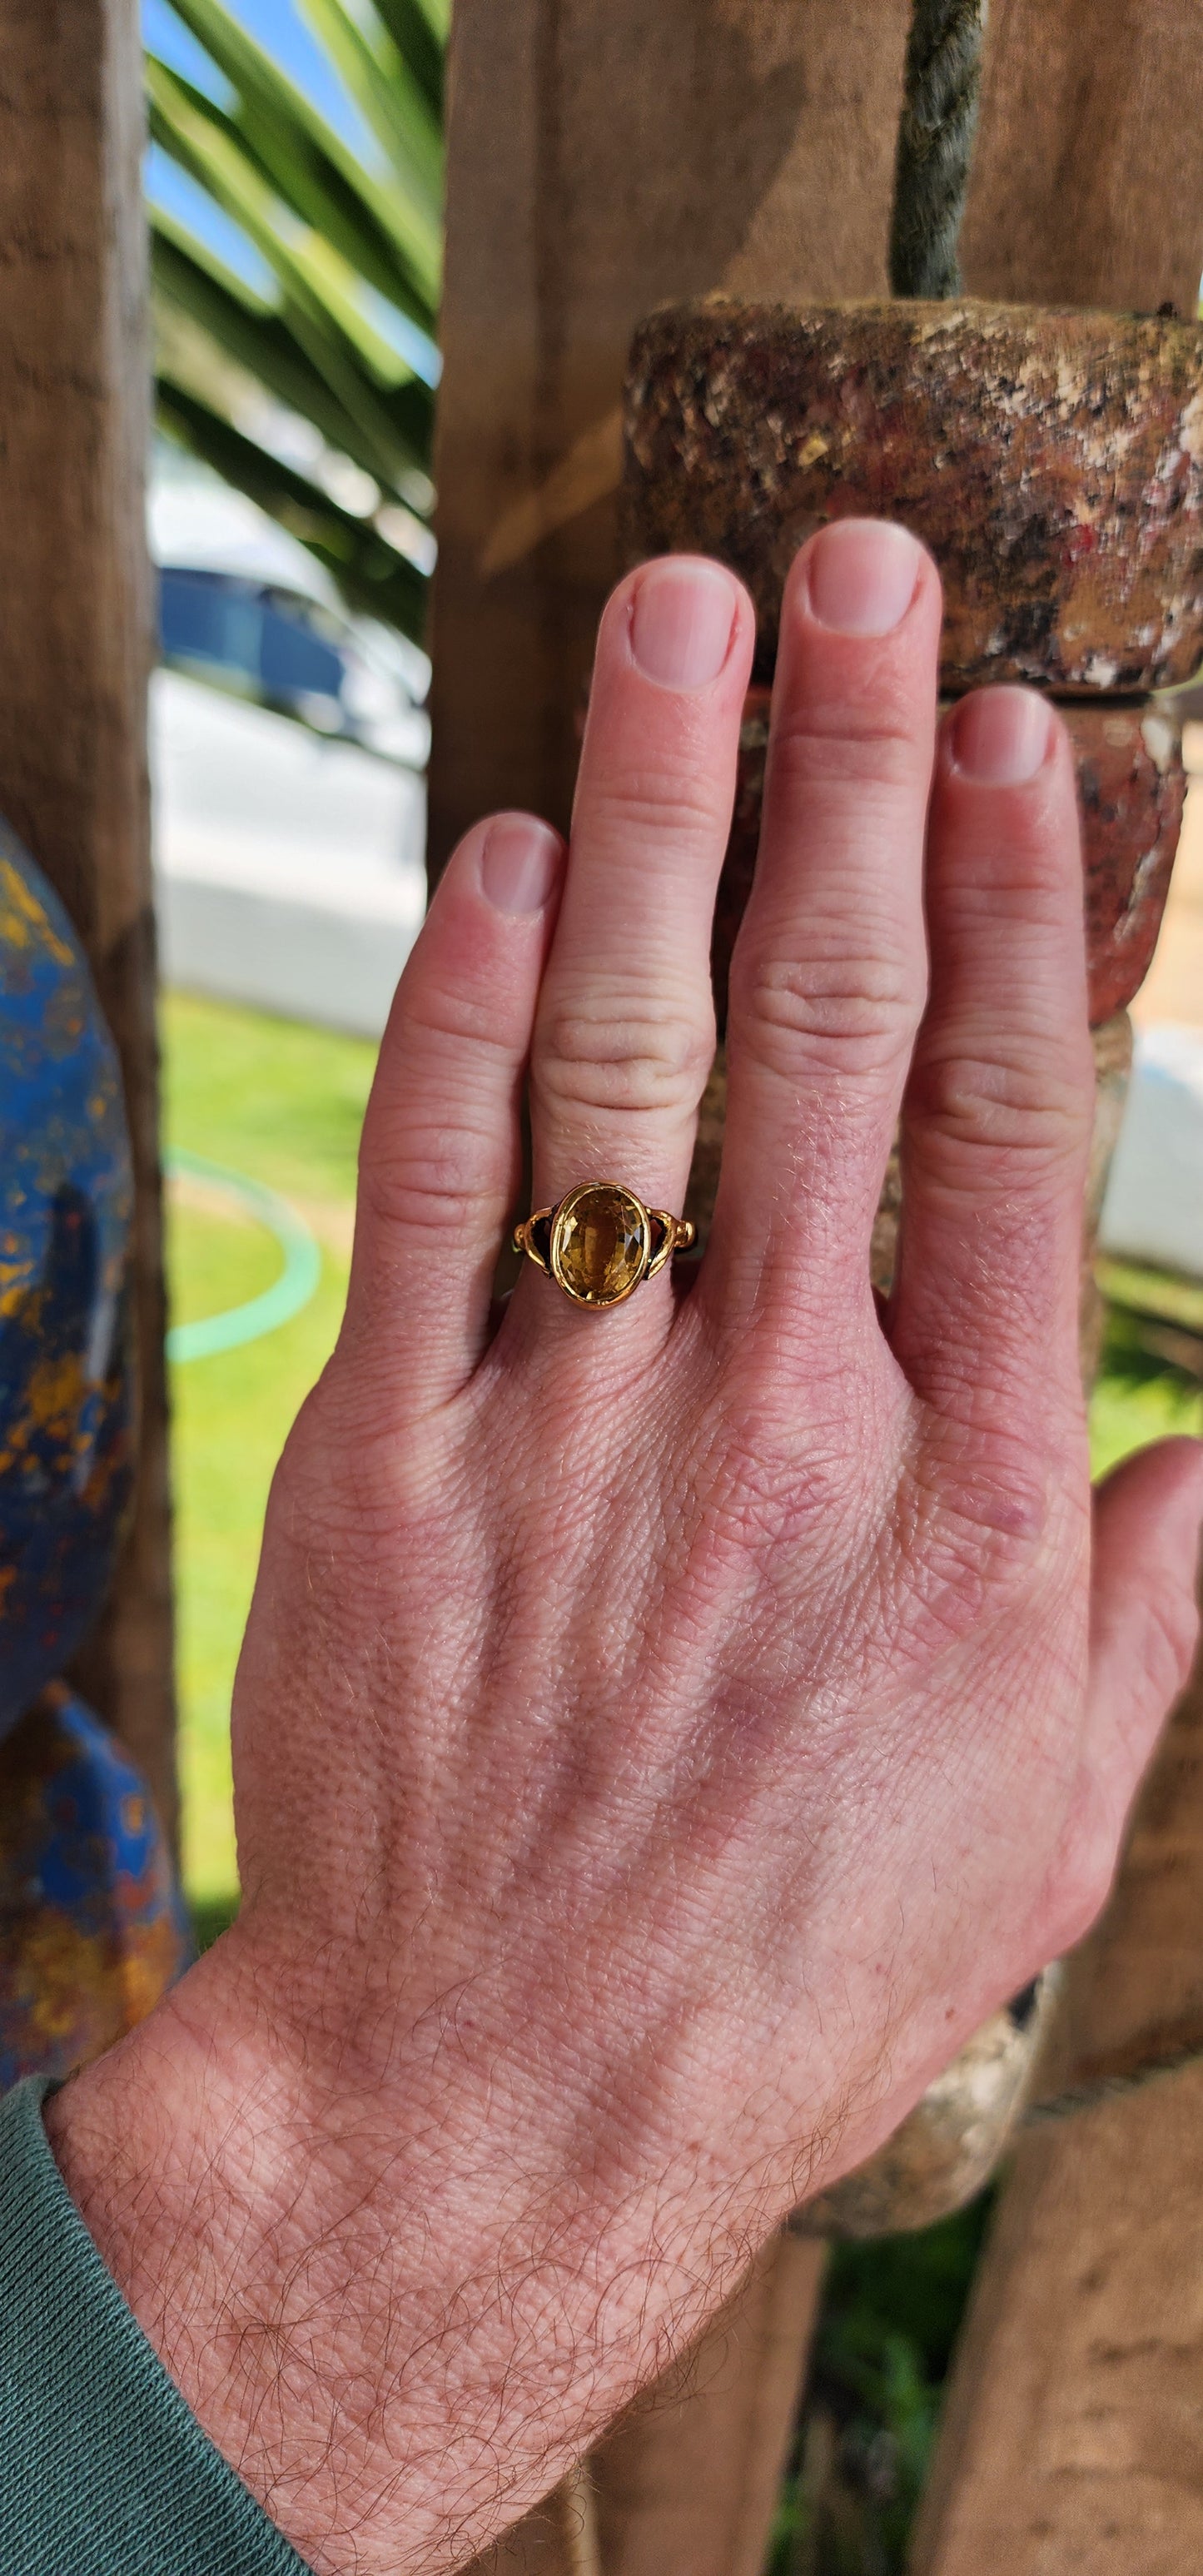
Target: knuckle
<point x="346" y="1486"/>
<point x="862" y="748"/>
<point x="666" y="804"/>
<point x="427" y="1181"/>
<point x="982" y="1533"/>
<point x="446" y="1018"/>
<point x="319" y="1491"/>
<point x="838" y="1011"/>
<point x="621" y="1055"/>
<point x="1017" y="1106"/>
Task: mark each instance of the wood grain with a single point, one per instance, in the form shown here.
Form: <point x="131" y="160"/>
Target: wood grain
<point x="687" y="2483"/>
<point x="75" y="643"/>
<point x="1071" y="2439"/>
<point x="601" y="161"/>
<point x="1087" y="178"/>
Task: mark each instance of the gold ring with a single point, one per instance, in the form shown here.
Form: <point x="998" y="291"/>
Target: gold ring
<point x="601" y="1241"/>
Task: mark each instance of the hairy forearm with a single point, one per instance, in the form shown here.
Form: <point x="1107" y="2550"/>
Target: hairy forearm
<point x="399" y="2333"/>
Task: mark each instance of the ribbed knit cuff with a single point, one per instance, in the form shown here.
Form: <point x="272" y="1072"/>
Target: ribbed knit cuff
<point x="103" y="2469"/>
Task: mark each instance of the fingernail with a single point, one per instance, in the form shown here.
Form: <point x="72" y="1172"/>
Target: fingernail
<point x="861" y="575"/>
<point x="520" y="863"/>
<point x="1001" y="736"/>
<point x="681" y="622"/>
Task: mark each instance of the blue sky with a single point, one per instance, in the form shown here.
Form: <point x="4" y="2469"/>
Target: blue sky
<point x="279" y="26"/>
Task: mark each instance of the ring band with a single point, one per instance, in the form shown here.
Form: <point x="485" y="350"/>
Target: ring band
<point x="601" y="1242"/>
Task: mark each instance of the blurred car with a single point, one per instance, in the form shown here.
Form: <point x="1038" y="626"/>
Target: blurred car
<point x="287" y="741"/>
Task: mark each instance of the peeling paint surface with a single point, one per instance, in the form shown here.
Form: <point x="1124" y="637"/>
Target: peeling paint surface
<point x="66" y="1407"/>
<point x="91" y="1927"/>
<point x="1052" y="461"/>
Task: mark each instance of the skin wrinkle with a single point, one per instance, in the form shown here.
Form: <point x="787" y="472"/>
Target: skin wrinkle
<point x="660" y="1737"/>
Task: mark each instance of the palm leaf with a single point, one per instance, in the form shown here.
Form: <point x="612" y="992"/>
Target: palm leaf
<point x="318" y="285"/>
<point x="264" y="178"/>
<point x="342" y="243"/>
<point x="380" y="81"/>
<point x="265" y="342"/>
<point x="419" y="30"/>
<point x="374" y="576"/>
<point x="262" y="87"/>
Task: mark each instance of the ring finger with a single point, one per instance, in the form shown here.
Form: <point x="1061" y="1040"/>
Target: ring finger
<point x="625" y="1029"/>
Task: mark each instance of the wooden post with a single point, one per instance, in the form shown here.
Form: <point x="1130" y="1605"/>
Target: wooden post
<point x="1071" y="2432"/>
<point x="603" y="159"/>
<point x="1069" y="2438"/>
<point x="75" y="641"/>
<point x="1087" y="181"/>
<point x="689" y="2484"/>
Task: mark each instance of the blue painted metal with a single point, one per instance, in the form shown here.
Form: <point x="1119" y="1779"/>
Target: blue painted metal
<point x="91" y="1926"/>
<point x="66" y="1196"/>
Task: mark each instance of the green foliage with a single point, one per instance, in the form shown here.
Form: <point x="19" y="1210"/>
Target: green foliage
<point x="346" y="244"/>
<point x="1149" y="1375"/>
<point x="889" y="2321"/>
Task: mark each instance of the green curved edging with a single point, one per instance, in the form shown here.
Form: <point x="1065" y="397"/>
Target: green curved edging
<point x="276" y="1305"/>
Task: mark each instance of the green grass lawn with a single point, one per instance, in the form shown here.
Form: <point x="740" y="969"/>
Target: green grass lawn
<point x="282" y="1104"/>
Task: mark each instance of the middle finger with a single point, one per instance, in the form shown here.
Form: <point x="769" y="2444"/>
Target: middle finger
<point x="624" y="1034"/>
<point x="830" y="969"/>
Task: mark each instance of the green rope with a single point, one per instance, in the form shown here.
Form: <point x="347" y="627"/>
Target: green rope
<point x="287" y="1294"/>
<point x="935" y="142"/>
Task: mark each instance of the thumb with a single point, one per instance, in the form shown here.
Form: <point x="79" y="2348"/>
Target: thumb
<point x="1143" y="1629"/>
<point x="1144" y="1625"/>
<point x="1144" y="1622"/>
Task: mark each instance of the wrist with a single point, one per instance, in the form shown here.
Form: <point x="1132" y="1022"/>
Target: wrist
<point x="366" y="2295"/>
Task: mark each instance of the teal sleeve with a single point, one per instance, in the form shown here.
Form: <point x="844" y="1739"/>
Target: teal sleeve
<point x="103" y="2469"/>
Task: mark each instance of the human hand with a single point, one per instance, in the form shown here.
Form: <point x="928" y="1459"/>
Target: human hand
<point x="661" y="1736"/>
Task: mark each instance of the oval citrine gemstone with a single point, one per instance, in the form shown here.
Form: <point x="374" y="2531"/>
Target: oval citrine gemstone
<point x="600" y="1244"/>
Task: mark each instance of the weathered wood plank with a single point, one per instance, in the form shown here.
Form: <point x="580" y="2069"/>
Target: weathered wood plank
<point x="1071" y="2438"/>
<point x="75" y="641"/>
<point x="1087" y="179"/>
<point x="601" y="161"/>
<point x="689" y="2485"/>
<point x="1067" y="2441"/>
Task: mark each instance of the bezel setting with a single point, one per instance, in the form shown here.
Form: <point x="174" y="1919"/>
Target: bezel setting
<point x="543" y="1236"/>
<point x="560" y="1228"/>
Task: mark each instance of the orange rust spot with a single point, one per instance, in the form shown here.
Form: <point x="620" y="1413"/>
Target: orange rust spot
<point x="24" y="922"/>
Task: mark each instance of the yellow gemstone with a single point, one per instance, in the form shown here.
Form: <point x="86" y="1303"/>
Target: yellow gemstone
<point x="600" y="1244"/>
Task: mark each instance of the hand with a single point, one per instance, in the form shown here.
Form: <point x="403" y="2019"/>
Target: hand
<point x="661" y="1736"/>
